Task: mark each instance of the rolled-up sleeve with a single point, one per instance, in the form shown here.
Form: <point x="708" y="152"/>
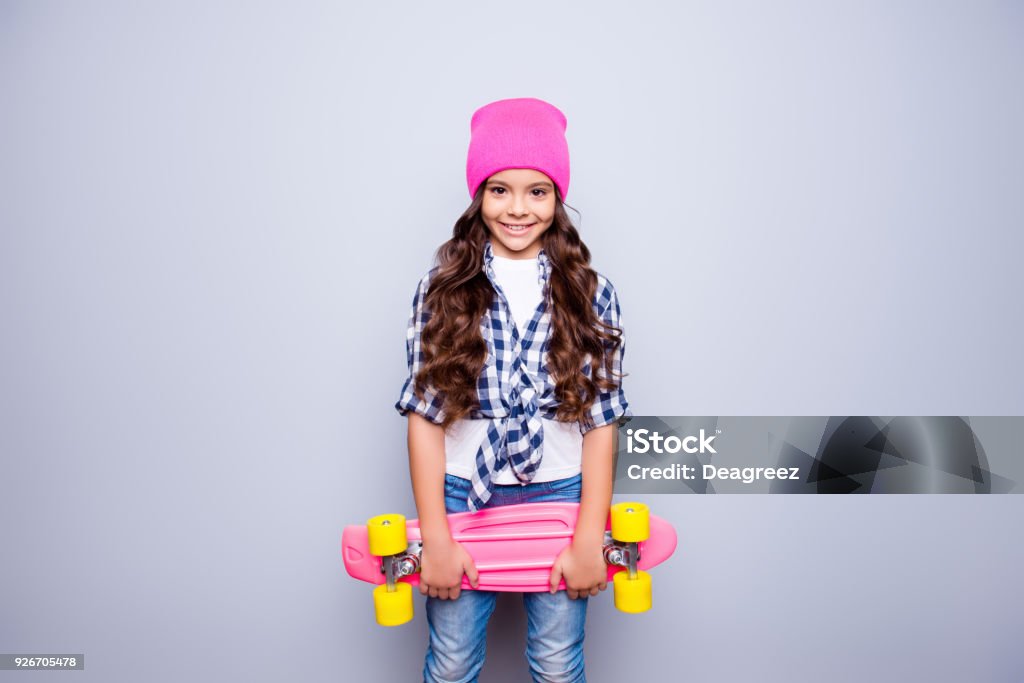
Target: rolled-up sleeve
<point x="429" y="406"/>
<point x="610" y="406"/>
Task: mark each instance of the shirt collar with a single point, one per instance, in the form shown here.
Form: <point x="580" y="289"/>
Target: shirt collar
<point x="543" y="266"/>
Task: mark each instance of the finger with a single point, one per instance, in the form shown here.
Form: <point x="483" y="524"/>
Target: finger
<point x="594" y="591"/>
<point x="573" y="595"/>
<point x="556" y="577"/>
<point x="433" y="592"/>
<point x="442" y="593"/>
<point x="423" y="588"/>
<point x="472" y="574"/>
<point x="454" y="593"/>
<point x="602" y="586"/>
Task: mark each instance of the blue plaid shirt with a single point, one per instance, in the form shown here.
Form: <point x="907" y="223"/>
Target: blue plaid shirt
<point x="514" y="388"/>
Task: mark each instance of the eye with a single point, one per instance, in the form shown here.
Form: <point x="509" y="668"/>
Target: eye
<point x="539" y="192"/>
<point x="498" y="190"/>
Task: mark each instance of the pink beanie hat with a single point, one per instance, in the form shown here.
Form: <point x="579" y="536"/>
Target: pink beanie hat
<point x="518" y="133"/>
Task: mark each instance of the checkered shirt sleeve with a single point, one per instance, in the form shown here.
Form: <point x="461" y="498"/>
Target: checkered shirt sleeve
<point x="430" y="405"/>
<point x="609" y="406"/>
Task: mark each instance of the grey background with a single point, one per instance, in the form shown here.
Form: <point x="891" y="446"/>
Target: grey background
<point x="213" y="219"/>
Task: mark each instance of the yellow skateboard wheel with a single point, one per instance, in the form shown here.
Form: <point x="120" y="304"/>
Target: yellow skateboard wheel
<point x="630" y="522"/>
<point x="387" y="535"/>
<point x="395" y="608"/>
<point x="632" y="595"/>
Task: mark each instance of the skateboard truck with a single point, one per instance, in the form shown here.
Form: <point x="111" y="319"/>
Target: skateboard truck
<point x="621" y="554"/>
<point x="407" y="563"/>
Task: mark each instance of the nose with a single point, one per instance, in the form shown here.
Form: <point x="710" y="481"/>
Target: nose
<point x="517" y="207"/>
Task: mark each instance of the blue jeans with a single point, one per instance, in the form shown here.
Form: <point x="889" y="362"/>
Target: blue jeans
<point x="458" y="628"/>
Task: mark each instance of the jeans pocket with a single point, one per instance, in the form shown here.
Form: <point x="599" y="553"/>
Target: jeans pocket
<point x="456" y="493"/>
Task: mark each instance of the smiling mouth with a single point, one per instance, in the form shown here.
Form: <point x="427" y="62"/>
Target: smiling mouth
<point x="518" y="227"/>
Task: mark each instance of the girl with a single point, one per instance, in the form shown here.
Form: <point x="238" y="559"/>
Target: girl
<point x="514" y="390"/>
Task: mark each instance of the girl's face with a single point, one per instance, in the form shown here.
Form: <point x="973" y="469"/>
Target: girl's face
<point x="518" y="206"/>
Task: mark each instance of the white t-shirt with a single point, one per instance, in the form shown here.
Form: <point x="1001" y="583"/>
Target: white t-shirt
<point x="563" y="443"/>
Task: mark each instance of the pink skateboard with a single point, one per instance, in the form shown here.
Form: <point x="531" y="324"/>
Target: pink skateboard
<point x="513" y="548"/>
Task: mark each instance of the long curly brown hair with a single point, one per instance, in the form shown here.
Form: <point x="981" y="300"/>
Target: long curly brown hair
<point x="454" y="351"/>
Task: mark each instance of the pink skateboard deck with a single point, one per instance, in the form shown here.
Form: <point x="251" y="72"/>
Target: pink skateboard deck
<point x="513" y="547"/>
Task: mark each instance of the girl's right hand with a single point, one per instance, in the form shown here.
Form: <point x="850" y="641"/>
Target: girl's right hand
<point x="443" y="564"/>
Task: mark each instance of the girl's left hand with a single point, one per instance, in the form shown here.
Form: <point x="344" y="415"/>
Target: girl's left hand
<point x="583" y="569"/>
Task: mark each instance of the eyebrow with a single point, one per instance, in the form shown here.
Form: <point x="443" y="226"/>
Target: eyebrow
<point x="543" y="183"/>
